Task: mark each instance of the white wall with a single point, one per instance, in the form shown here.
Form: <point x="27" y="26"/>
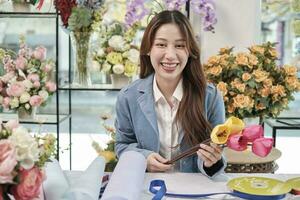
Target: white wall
<point x="238" y="25"/>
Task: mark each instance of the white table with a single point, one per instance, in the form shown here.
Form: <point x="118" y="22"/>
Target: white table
<point x="195" y="183"/>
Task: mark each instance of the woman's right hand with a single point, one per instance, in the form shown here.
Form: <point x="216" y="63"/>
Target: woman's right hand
<point x="155" y="163"/>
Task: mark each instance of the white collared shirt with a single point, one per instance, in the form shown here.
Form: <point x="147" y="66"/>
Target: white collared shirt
<point x="167" y="126"/>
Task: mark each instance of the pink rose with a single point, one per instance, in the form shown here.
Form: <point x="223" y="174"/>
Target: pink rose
<point x="39" y="53"/>
<point x="36" y="100"/>
<point x="33" y="77"/>
<point x="253" y="132"/>
<point x="30" y="183"/>
<point x="8" y="161"/>
<point x="47" y="68"/>
<point x="36" y="84"/>
<point x="21" y="63"/>
<point x="50" y="86"/>
<point x="5" y="102"/>
<point x="16" y="89"/>
<point x="11" y="124"/>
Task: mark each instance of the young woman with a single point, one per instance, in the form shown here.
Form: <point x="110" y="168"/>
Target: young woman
<point x="171" y="107"/>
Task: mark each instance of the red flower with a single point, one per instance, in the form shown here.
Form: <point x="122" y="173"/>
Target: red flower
<point x="65" y="9"/>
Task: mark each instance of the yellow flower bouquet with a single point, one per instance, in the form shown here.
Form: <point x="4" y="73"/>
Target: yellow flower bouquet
<point x="252" y="84"/>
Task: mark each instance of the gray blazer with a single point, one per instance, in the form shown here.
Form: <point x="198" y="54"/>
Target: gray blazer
<point x="136" y="123"/>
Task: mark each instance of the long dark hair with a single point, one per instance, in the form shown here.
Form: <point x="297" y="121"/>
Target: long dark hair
<point x="190" y="113"/>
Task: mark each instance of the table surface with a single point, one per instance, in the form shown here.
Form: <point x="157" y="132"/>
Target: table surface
<point x="274" y="123"/>
<point x="195" y="183"/>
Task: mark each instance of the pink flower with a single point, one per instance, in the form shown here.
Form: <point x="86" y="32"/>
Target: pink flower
<point x="30" y="183"/>
<point x="16" y="89"/>
<point x="262" y="146"/>
<point x="5" y="102"/>
<point x="36" y="84"/>
<point x="8" y="161"/>
<point x="47" y="68"/>
<point x="50" y="86"/>
<point x="11" y="124"/>
<point x="33" y="77"/>
<point x="253" y="132"/>
<point x="21" y="63"/>
<point x="237" y="142"/>
<point x="39" y="53"/>
<point x="36" y="100"/>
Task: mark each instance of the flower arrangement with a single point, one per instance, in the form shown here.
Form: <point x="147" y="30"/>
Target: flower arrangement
<point x="251" y="83"/>
<point x="25" y="83"/>
<point x="237" y="137"/>
<point x="136" y="10"/>
<point x="22" y="158"/>
<point x="80" y="17"/>
<point x="116" y="54"/>
<point x="109" y="152"/>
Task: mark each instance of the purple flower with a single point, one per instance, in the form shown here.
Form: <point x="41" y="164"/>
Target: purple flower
<point x="175" y="4"/>
<point x="135" y="11"/>
<point x="205" y="8"/>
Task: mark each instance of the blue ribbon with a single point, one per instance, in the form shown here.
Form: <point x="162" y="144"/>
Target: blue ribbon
<point x="162" y="191"/>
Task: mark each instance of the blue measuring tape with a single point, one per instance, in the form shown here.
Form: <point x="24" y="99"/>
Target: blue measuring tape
<point x="159" y="189"/>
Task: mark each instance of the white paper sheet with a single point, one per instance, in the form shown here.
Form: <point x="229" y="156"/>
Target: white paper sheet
<point x="127" y="180"/>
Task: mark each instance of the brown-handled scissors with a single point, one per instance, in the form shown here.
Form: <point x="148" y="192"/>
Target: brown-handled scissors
<point x="187" y="153"/>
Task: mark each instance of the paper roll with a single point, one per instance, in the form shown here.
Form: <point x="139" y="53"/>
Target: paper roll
<point x="127" y="180"/>
<point x="56" y="183"/>
<point x="88" y="185"/>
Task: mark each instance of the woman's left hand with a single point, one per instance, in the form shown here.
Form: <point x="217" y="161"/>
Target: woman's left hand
<point x="210" y="154"/>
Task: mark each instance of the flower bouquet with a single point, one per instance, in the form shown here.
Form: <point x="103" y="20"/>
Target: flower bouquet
<point x="117" y="55"/>
<point x="22" y="158"/>
<point x="79" y="17"/>
<point x="25" y="83"/>
<point x="109" y="152"/>
<point x="252" y="84"/>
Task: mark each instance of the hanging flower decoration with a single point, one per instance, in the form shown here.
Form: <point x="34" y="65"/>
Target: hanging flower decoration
<point x="136" y="10"/>
<point x="237" y="137"/>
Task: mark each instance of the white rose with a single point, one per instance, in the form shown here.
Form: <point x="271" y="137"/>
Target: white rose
<point x="44" y="94"/>
<point x="133" y="55"/>
<point x="117" y="42"/>
<point x="100" y="52"/>
<point x="25" y="97"/>
<point x="14" y="103"/>
<point x="105" y="67"/>
<point x="27" y="106"/>
<point x="26" y="147"/>
<point x="118" y="69"/>
<point x="28" y="85"/>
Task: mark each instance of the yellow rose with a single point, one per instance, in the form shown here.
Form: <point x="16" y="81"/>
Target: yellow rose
<point x="290" y="70"/>
<point x="257" y="49"/>
<point x="267" y="83"/>
<point x="238" y="85"/>
<point x="223" y="60"/>
<point x="260" y="75"/>
<point x="223" y="88"/>
<point x="246" y="76"/>
<point x="130" y="68"/>
<point x="252" y="59"/>
<point x="278" y="90"/>
<point x="216" y="70"/>
<point x="264" y="92"/>
<point x="213" y="60"/>
<point x="225" y="50"/>
<point x="292" y="82"/>
<point x="114" y="58"/>
<point x="242" y="59"/>
<point x="273" y="52"/>
<point x="242" y="101"/>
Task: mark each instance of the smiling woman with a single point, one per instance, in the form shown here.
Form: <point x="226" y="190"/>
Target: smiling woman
<point x="171" y="108"/>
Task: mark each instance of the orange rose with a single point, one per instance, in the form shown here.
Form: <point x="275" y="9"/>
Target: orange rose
<point x="246" y="76"/>
<point x="213" y="60"/>
<point x="292" y="82"/>
<point x="278" y="90"/>
<point x="238" y="85"/>
<point x="30" y="183"/>
<point x="215" y="70"/>
<point x="267" y="83"/>
<point x="264" y="92"/>
<point x="223" y="88"/>
<point x="257" y="49"/>
<point x="290" y="70"/>
<point x="260" y="106"/>
<point x="223" y="60"/>
<point x="242" y="101"/>
<point x="260" y="75"/>
<point x="242" y="59"/>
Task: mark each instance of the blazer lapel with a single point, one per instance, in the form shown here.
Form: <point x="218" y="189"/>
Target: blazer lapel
<point x="146" y="102"/>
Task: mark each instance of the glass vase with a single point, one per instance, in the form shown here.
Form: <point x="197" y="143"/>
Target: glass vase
<point x="21" y="7"/>
<point x="119" y="80"/>
<point x="80" y="47"/>
<point x="24" y="114"/>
